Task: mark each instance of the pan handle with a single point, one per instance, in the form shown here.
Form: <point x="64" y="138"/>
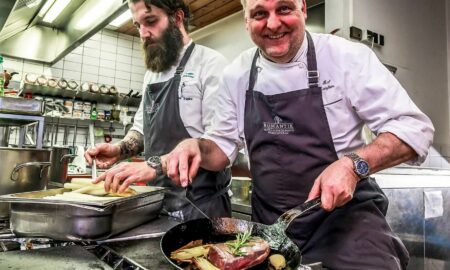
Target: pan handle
<point x="14" y="173"/>
<point x="287" y="217"/>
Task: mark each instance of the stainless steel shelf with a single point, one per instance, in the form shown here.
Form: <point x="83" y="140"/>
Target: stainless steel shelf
<point x="49" y="120"/>
<point x="81" y="95"/>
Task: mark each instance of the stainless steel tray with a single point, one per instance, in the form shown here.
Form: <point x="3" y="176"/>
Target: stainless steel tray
<point x="21" y="106"/>
<point x="32" y="216"/>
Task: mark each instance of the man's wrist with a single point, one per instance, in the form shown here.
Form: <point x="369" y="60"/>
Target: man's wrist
<point x="155" y="163"/>
<point x="359" y="165"/>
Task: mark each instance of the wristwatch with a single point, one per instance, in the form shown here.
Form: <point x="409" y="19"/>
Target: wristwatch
<point x="155" y="163"/>
<point x="360" y="166"/>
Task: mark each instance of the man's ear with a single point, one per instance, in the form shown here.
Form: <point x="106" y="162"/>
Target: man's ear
<point x="304" y="8"/>
<point x="179" y="17"/>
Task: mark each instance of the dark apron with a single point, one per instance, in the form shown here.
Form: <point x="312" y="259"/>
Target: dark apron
<point x="163" y="130"/>
<point x="290" y="144"/>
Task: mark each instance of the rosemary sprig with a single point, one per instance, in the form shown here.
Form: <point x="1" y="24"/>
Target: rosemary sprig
<point x="241" y="241"/>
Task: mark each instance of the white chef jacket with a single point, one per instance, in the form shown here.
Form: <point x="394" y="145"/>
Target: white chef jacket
<point x="197" y="90"/>
<point x="357" y="89"/>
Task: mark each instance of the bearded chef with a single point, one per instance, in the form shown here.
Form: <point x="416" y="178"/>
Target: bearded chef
<point x="298" y="103"/>
<point x="179" y="87"/>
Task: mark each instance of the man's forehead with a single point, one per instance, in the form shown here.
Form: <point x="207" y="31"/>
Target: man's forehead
<point x="255" y="3"/>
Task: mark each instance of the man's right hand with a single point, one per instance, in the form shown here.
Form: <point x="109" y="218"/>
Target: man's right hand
<point x="183" y="162"/>
<point x="105" y="154"/>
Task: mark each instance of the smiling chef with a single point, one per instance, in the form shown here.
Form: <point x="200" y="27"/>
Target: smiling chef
<point x="298" y="103"/>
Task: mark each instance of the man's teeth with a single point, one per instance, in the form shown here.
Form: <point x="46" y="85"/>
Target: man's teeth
<point x="276" y="36"/>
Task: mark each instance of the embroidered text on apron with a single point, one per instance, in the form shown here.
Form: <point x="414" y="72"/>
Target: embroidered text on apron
<point x="290" y="144"/>
<point x="163" y="130"/>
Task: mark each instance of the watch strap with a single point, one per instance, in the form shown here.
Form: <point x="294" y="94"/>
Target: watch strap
<point x="155" y="163"/>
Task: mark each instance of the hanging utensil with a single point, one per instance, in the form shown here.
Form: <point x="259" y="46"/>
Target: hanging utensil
<point x="92" y="139"/>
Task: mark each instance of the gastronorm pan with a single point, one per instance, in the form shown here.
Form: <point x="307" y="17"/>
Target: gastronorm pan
<point x="33" y="216"/>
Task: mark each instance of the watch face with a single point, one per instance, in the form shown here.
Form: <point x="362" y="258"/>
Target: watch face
<point x="362" y="168"/>
<point x="155" y="160"/>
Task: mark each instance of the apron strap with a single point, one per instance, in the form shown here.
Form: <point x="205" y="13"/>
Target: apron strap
<point x="313" y="73"/>
<point x="253" y="72"/>
<point x="184" y="60"/>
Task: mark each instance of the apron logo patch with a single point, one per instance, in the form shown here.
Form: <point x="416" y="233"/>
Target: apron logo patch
<point x="188" y="75"/>
<point x="278" y="127"/>
<point x="152" y="108"/>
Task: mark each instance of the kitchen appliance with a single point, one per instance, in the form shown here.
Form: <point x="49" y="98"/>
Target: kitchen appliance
<point x="26" y="167"/>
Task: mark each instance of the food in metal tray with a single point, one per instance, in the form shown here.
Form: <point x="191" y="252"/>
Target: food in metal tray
<point x="244" y="252"/>
<point x="84" y="190"/>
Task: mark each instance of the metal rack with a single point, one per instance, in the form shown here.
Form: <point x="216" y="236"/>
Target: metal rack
<point x="24" y="121"/>
<point x="81" y="95"/>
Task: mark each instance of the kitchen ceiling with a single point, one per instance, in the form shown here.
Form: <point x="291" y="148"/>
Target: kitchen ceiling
<point x="46" y="30"/>
<point x="205" y="12"/>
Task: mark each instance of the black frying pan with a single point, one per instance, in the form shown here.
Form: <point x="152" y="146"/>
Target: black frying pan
<point x="223" y="229"/>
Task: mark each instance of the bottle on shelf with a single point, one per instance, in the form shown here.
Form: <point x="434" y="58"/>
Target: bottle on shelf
<point x="94" y="111"/>
<point x="2" y="78"/>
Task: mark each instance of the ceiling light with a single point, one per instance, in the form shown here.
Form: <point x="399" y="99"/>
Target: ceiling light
<point x="93" y="15"/>
<point x="121" y="19"/>
<point x="45" y="8"/>
<point x="55" y="10"/>
<point x="33" y="3"/>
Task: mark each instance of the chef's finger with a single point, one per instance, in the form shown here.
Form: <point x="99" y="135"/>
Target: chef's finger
<point x="183" y="168"/>
<point x="125" y="184"/>
<point x="193" y="168"/>
<point x="116" y="181"/>
<point x="108" y="181"/>
<point x="327" y="199"/>
<point x="88" y="158"/>
<point x="100" y="178"/>
<point x="172" y="167"/>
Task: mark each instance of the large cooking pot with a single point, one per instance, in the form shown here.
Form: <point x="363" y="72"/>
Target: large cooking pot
<point x="59" y="160"/>
<point x="21" y="170"/>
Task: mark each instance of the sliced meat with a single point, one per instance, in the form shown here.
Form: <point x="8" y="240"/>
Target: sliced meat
<point x="256" y="251"/>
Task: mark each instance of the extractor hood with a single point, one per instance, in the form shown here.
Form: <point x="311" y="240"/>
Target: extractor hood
<point x="25" y="34"/>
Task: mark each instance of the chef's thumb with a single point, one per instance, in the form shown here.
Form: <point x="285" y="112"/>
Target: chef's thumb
<point x="315" y="191"/>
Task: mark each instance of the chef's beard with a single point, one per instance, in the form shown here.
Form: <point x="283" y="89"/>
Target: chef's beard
<point x="163" y="53"/>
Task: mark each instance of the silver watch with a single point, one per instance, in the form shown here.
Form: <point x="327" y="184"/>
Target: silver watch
<point x="155" y="163"/>
<point x="360" y="166"/>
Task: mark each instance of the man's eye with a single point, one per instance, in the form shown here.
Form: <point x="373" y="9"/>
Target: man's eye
<point x="150" y="22"/>
<point x="284" y="10"/>
<point x="259" y="15"/>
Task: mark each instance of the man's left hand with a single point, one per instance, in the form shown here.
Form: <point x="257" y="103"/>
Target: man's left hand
<point x="120" y="177"/>
<point x="335" y="185"/>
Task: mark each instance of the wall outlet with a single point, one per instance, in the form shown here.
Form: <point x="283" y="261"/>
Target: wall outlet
<point x="372" y="38"/>
<point x="355" y="33"/>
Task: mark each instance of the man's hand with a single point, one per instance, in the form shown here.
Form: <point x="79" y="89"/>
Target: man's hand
<point x="335" y="185"/>
<point x="183" y="162"/>
<point x="120" y="177"/>
<point x="106" y="155"/>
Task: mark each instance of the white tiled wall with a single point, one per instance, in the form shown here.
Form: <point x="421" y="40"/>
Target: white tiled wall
<point x="106" y="58"/>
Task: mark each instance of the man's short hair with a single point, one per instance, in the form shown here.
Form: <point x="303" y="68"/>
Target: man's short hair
<point x="244" y="3"/>
<point x="170" y="7"/>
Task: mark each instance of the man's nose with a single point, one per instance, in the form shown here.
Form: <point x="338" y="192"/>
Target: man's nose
<point x="144" y="32"/>
<point x="273" y="22"/>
